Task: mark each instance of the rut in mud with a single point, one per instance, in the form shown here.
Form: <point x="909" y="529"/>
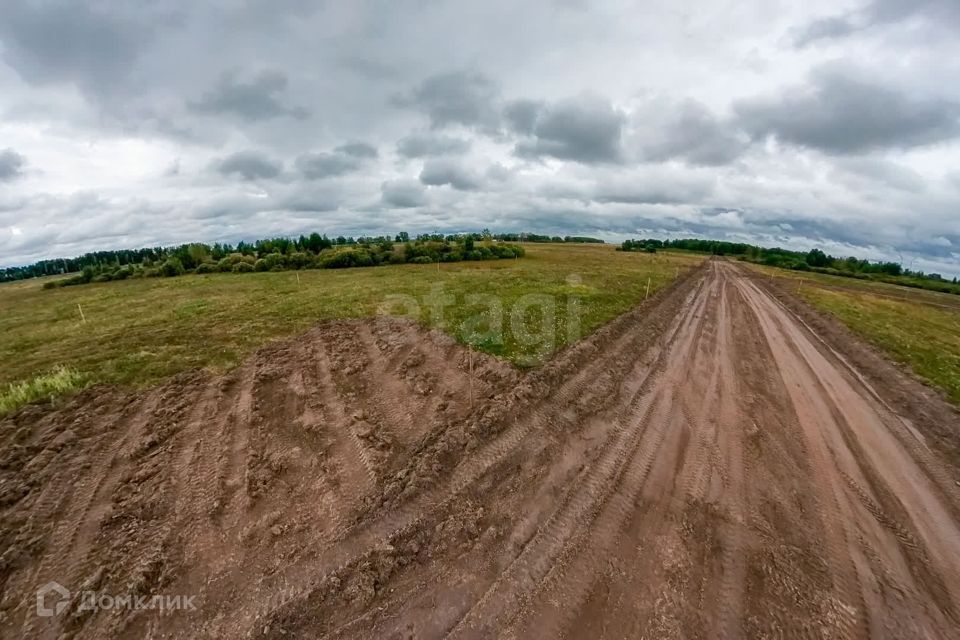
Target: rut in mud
<point x="703" y="466"/>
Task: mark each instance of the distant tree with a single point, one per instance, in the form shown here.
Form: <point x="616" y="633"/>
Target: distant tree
<point x="817" y="258"/>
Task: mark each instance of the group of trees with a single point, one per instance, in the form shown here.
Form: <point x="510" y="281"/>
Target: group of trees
<point x="533" y="237"/>
<point x="813" y="260"/>
<point x="150" y="260"/>
<point x="272" y="254"/>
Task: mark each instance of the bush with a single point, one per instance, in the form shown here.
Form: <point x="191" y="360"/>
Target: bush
<point x="345" y="258"/>
<point x="421" y="260"/>
<point x="299" y="260"/>
<point x="243" y="267"/>
<point x="271" y="262"/>
<point x="171" y="268"/>
<point x="207" y="267"/>
<point x="123" y="272"/>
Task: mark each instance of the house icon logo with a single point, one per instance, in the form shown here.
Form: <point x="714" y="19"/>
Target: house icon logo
<point x="59" y="595"/>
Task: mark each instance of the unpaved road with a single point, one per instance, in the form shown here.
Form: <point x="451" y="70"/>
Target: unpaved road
<point x="703" y="466"/>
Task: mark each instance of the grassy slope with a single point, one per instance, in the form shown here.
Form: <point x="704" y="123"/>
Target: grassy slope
<point x="138" y="331"/>
<point x="918" y="328"/>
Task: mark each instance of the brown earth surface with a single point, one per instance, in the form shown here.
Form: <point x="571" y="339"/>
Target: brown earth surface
<point x="713" y="463"/>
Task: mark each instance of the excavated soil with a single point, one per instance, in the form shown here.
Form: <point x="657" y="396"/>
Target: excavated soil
<point x="709" y="464"/>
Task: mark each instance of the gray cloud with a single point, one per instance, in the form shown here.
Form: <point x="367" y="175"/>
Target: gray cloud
<point x="654" y="186"/>
<point x="358" y="150"/>
<point x="458" y="97"/>
<point x="325" y="165"/>
<point x="521" y="115"/>
<point x="883" y="172"/>
<point x="11" y="165"/>
<point x="424" y="144"/>
<point x="878" y="13"/>
<point x="253" y="100"/>
<point x="403" y="194"/>
<point x="94" y="45"/>
<point x="249" y="165"/>
<point x="442" y="172"/>
<point x="584" y="129"/>
<point x="347" y="158"/>
<point x="824" y="29"/>
<point x="939" y="11"/>
<point x="686" y="131"/>
<point x="843" y="114"/>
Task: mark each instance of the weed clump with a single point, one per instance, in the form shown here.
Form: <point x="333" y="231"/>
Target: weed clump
<point x="46" y="386"/>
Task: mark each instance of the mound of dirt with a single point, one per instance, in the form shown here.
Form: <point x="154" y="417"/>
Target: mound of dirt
<point x="703" y="465"/>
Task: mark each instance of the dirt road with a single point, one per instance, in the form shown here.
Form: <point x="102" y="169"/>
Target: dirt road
<point x="703" y="466"/>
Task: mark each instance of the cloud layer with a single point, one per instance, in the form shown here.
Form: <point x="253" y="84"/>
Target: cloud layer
<point x="834" y="124"/>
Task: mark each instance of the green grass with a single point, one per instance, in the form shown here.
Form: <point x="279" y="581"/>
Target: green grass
<point x="46" y="386"/>
<point x="920" y="329"/>
<point x="138" y="331"/>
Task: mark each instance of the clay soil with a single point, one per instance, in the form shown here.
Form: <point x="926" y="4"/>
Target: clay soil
<point x="717" y="462"/>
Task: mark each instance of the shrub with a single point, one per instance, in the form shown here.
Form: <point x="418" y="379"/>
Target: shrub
<point x="345" y="258"/>
<point x="421" y="260"/>
<point x="397" y="256"/>
<point x="172" y="267"/>
<point x="271" y="262"/>
<point x="299" y="260"/>
<point x="243" y="267"/>
<point x="207" y="267"/>
<point x="123" y="272"/>
<point x="45" y="386"/>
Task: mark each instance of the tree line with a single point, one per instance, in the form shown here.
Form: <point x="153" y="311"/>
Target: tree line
<point x="149" y="261"/>
<point x="814" y="260"/>
<point x="271" y="254"/>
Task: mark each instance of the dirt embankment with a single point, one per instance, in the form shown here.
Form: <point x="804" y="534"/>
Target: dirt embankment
<point x="702" y="466"/>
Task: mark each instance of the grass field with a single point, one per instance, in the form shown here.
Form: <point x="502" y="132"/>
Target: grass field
<point x="920" y="329"/>
<point x="138" y="331"/>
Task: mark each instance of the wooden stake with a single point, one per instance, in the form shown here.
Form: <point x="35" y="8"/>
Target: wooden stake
<point x="298" y="278"/>
<point x="678" y="273"/>
<point x="647" y="294"/>
<point x="800" y="285"/>
<point x="82" y="317"/>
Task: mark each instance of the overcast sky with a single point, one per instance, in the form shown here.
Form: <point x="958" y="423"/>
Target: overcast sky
<point x="801" y="124"/>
